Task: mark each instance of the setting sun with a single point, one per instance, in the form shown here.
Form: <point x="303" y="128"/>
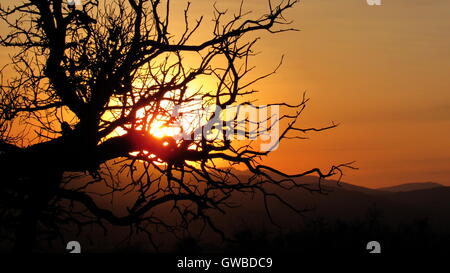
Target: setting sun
<point x="159" y="130"/>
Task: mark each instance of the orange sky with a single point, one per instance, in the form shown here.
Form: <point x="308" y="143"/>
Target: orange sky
<point x="380" y="71"/>
<point x="384" y="73"/>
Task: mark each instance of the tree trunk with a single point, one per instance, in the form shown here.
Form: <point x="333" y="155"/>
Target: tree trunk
<point x="33" y="175"/>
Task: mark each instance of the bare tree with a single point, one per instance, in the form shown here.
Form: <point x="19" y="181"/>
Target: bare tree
<point x="91" y="82"/>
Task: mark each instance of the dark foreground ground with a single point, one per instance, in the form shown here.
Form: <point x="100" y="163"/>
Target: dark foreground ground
<point x="408" y="219"/>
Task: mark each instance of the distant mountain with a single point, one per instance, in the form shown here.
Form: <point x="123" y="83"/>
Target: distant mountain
<point x="342" y="205"/>
<point x="411" y="187"/>
<point x="346" y="202"/>
<point x="434" y="199"/>
<point x="333" y="185"/>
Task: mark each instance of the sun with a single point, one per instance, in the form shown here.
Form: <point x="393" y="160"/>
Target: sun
<point x="177" y="114"/>
<point x="159" y="130"/>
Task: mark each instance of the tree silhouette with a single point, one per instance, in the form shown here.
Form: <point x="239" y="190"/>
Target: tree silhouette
<point x="90" y="82"/>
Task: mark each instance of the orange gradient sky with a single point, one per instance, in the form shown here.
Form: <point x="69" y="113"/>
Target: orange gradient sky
<point x="382" y="72"/>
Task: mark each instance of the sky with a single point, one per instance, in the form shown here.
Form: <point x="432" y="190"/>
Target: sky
<point x="384" y="74"/>
<point x="381" y="72"/>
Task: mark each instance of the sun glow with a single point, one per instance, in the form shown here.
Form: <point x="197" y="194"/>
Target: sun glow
<point x="159" y="129"/>
<point x="161" y="118"/>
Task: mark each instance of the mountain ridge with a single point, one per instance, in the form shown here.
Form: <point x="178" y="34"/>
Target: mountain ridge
<point x="405" y="187"/>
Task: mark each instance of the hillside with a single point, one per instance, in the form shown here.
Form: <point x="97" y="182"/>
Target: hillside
<point x="411" y="187"/>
